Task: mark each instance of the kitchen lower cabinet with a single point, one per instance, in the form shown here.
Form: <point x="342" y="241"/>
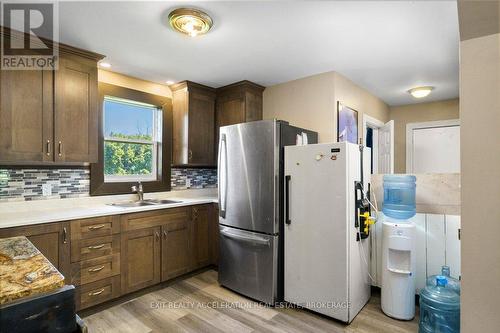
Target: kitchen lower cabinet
<point x="200" y="236"/>
<point x="110" y="256"/>
<point x="214" y="235"/>
<point x="175" y="249"/>
<point x="51" y="239"/>
<point x="141" y="258"/>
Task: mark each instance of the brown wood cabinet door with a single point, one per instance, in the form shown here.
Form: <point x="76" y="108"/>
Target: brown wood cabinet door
<point x="26" y="116"/>
<point x="175" y="249"/>
<point x="201" y="251"/>
<point x="140" y="258"/>
<point x="76" y="110"/>
<point x="230" y="112"/>
<point x="51" y="239"/>
<point x="214" y="235"/>
<point x="201" y="128"/>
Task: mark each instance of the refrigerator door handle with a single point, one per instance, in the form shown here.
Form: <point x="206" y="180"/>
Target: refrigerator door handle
<point x="287" y="199"/>
<point x="250" y="239"/>
<point x="222" y="167"/>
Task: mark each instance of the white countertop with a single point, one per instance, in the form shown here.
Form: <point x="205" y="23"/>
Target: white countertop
<point x="14" y="214"/>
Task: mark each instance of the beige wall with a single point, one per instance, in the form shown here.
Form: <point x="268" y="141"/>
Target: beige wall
<point x="311" y="102"/>
<point x="480" y="166"/>
<point x="415" y="113"/>
<point x="133" y="83"/>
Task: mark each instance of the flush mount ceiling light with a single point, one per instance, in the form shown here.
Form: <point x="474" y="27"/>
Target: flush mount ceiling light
<point x="420" y="92"/>
<point x="190" y="21"/>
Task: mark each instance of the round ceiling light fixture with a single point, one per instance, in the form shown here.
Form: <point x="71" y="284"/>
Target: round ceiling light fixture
<point x="190" y="21"/>
<point x="420" y="92"/>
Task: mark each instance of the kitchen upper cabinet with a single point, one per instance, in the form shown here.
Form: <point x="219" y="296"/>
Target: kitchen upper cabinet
<point x="201" y="234"/>
<point x="52" y="240"/>
<point x="238" y="103"/>
<point x="26" y="105"/>
<point x="141" y="258"/>
<point x="50" y="117"/>
<point x="76" y="115"/>
<point x="193" y="124"/>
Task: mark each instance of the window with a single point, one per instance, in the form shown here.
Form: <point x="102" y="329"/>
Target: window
<point x="135" y="141"/>
<point x="132" y="134"/>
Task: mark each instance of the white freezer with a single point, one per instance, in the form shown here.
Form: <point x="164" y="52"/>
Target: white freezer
<point x="324" y="268"/>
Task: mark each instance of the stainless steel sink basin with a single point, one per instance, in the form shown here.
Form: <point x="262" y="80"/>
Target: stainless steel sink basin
<point x="132" y="204"/>
<point x="147" y="202"/>
<point x="162" y="202"/>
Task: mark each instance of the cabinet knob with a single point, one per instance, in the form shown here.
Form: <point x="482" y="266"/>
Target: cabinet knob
<point x="165" y="234"/>
<point x="157" y="235"/>
<point x="190" y="154"/>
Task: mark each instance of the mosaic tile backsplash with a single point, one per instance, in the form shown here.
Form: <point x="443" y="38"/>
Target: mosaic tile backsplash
<point x="28" y="184"/>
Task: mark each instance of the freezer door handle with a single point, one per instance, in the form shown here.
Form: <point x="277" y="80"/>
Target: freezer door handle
<point x="287" y="199"/>
<point x="250" y="239"/>
<point x="222" y="176"/>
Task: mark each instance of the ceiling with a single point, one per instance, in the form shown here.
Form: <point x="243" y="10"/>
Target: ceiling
<point x="386" y="47"/>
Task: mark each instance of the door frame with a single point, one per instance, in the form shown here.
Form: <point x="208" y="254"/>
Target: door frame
<point x="374" y="124"/>
<point x="410" y="127"/>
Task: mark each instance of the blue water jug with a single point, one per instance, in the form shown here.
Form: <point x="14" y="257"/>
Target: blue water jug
<point x="399" y="196"/>
<point x="439" y="308"/>
<point x="452" y="284"/>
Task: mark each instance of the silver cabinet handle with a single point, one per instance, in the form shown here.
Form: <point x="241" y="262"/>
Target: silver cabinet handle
<point x="95" y="247"/>
<point x="65" y="235"/>
<point x="95" y="227"/>
<point x="250" y="239"/>
<point x="48" y="148"/>
<point x="60" y="149"/>
<point x="96" y="269"/>
<point x="95" y="293"/>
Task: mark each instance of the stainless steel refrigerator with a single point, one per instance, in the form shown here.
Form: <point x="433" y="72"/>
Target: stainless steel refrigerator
<point x="250" y="176"/>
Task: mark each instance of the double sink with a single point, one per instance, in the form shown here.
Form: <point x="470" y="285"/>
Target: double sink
<point x="147" y="202"/>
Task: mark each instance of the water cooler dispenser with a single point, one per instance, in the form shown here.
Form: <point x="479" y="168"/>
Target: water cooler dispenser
<point x="398" y="247"/>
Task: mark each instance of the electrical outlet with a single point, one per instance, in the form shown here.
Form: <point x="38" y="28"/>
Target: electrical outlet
<point x="46" y="190"/>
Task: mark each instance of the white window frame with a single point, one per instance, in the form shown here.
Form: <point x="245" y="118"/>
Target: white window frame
<point x="155" y="142"/>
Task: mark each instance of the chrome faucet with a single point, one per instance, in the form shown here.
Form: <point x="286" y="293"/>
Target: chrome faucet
<point x="138" y="189"/>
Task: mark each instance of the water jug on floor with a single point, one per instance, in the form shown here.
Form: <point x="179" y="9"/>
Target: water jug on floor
<point x="399" y="196"/>
<point x="439" y="308"/>
<point x="453" y="283"/>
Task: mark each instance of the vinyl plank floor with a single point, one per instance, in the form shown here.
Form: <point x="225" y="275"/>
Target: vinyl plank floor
<point x="206" y="307"/>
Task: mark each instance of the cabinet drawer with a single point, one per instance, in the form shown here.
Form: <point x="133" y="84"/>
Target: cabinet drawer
<point x="95" y="227"/>
<point x="155" y="218"/>
<point x="97" y="292"/>
<point x="83" y="249"/>
<point x="95" y="269"/>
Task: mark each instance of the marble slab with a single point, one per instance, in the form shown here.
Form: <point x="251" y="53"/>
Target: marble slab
<point x="436" y="193"/>
<point x="24" y="271"/>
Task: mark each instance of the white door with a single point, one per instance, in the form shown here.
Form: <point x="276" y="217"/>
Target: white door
<point x="386" y="148"/>
<point x="382" y="144"/>
<point x="433" y="147"/>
